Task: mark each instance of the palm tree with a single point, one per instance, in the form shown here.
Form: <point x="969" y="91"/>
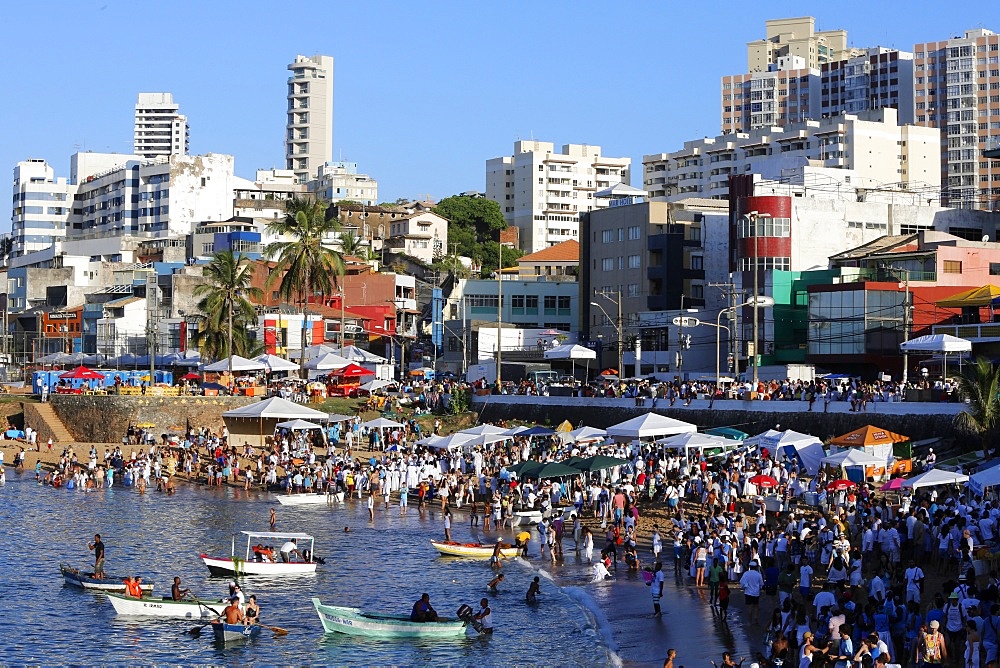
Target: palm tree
<point x="305" y="264"/>
<point x="979" y="384"/>
<point x="352" y="244"/>
<point x="226" y="295"/>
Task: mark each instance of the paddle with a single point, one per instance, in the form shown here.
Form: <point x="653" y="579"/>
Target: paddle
<point x="278" y="631"/>
<point x="196" y="631"/>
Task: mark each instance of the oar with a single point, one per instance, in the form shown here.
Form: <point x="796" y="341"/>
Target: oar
<point x="278" y="631"/>
<point x="196" y="631"/>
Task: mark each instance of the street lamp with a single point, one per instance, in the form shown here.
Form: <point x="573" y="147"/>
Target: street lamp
<point x="619" y="328"/>
<point x="752" y="218"/>
<point x="760" y="301"/>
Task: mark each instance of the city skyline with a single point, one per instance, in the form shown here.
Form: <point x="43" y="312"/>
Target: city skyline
<point x="421" y="100"/>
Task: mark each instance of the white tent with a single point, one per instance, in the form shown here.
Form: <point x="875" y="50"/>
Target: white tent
<point x="297" y="425"/>
<point x="359" y="356"/>
<point x="239" y="364"/>
<point x="275" y="363"/>
<point x="381" y="423"/>
<point x="936" y="343"/>
<point x="650" y="425"/>
<point x="317" y="350"/>
<point x="453" y="442"/>
<point x="695" y="441"/>
<point x="486" y="439"/>
<point x="853" y="457"/>
<point x="806" y="448"/>
<point x="485" y="429"/>
<point x="570" y="352"/>
<point x="252" y="422"/>
<point x="584" y="435"/>
<point x="430" y="438"/>
<point x="986" y="478"/>
<point x="339" y="417"/>
<point x="327" y="362"/>
<point x="760" y="438"/>
<point x="935" y="477"/>
<point x="373" y="385"/>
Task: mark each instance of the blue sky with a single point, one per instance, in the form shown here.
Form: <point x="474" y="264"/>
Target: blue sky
<point x="425" y="93"/>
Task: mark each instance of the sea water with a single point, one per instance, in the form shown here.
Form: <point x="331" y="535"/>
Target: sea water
<point x="382" y="566"/>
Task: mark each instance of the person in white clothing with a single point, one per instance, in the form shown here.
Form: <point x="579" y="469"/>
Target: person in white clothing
<point x="752" y="583"/>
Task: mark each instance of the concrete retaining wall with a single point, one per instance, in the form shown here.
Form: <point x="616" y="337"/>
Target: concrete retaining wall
<point x="105" y="419"/>
<point x="919" y="421"/>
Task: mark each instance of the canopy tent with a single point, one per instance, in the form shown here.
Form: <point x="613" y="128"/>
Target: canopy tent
<point x="339" y="417"/>
<point x="807" y="449"/>
<point x="936" y="477"/>
<point x="513" y="431"/>
<point x="326" y="362"/>
<point x="484" y="429"/>
<point x="988" y="295"/>
<point x="352" y="370"/>
<point x="359" y="356"/>
<point x="238" y="364"/>
<point x="429" y="439"/>
<point x="537" y="430"/>
<point x="728" y="432"/>
<point x="938" y="343"/>
<point x="695" y="441"/>
<point x="523" y="469"/>
<point x="275" y="363"/>
<point x="454" y="442"/>
<point x="571" y="352"/>
<point x="987" y="478"/>
<point x="311" y="352"/>
<point x="597" y="463"/>
<point x="485" y="439"/>
<point x="650" y="425"/>
<point x="298" y="425"/>
<point x="587" y="434"/>
<point x="759" y="439"/>
<point x="373" y="385"/>
<point x="253" y="422"/>
<point x="554" y="470"/>
<point x="853" y="457"/>
<point x="381" y="423"/>
<point x="565" y="427"/>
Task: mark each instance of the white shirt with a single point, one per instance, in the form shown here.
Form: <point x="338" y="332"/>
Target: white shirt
<point x="752" y="582"/>
<point x="289" y="547"/>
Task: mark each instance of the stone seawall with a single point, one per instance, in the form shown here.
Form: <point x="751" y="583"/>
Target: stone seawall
<point x="925" y="420"/>
<point x="105" y="419"/>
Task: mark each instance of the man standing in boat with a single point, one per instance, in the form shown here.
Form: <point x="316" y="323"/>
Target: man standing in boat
<point x="98" y="548"/>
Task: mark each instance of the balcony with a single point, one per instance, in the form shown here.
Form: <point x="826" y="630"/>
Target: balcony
<point x="981" y="333"/>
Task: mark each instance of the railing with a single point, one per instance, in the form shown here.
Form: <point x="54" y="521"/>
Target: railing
<point x="982" y="332"/>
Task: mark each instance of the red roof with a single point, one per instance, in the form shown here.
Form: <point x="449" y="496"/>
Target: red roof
<point x="567" y="251"/>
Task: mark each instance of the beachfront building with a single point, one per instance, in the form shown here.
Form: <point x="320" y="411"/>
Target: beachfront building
<point x="869" y="151"/>
<point x="160" y="129"/>
<point x="309" y="123"/>
<point x="42" y="205"/>
<point x="957" y="90"/>
<point x="336" y="181"/>
<point x="543" y="192"/>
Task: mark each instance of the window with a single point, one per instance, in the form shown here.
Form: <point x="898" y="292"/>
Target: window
<point x="634" y="232"/>
<point x="952" y="266"/>
<point x="621" y="234"/>
<point x="608" y="264"/>
<point x="634" y="262"/>
<point x="697" y="291"/>
<point x="482" y="302"/>
<point x="994" y="268"/>
<point x="697" y="262"/>
<point x="565" y="304"/>
<point x="633" y="289"/>
<point x="453" y="344"/>
<point x="550" y="304"/>
<point x="607" y="236"/>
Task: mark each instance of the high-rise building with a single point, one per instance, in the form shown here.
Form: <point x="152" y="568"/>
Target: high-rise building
<point x="42" y="206"/>
<point x="309" y="128"/>
<point x="957" y="89"/>
<point x="796" y="37"/>
<point x="878" y="78"/>
<point x="160" y="130"/>
<point x="786" y="92"/>
<point x="543" y="193"/>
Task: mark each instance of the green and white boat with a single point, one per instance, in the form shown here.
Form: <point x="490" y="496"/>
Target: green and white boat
<point x="352" y="621"/>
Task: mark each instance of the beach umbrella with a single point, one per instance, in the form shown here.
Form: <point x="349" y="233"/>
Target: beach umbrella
<point x="82" y="373"/>
<point x="191" y="376"/>
<point x="599" y="463"/>
<point x="554" y="470"/>
<point x="609" y="372"/>
<point x="840" y="485"/>
<point x="894" y="485"/>
<point x="763" y="481"/>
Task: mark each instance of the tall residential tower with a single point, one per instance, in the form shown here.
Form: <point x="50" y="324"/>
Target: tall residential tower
<point x="309" y="128"/>
<point x="160" y="130"/>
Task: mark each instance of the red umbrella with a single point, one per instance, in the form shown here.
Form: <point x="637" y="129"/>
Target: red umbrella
<point x="893" y="485"/>
<point x="191" y="376"/>
<point x="764" y="481"/>
<point x="840" y="485"/>
<point x="82" y="373"/>
<point x="353" y="370"/>
<point x="609" y="372"/>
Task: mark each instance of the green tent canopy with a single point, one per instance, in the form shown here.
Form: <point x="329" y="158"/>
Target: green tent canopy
<point x="599" y="463"/>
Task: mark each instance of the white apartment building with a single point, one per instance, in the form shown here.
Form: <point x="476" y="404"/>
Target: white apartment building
<point x="309" y="126"/>
<point x="867" y="150"/>
<point x="160" y="128"/>
<point x="957" y="89"/>
<point x="41" y="207"/>
<point x="543" y="193"/>
<point x="264" y="198"/>
<point x="157" y="198"/>
<point x="337" y="181"/>
<point x="421" y="235"/>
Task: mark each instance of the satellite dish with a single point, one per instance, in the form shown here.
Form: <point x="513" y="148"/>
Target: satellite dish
<point x="986" y="238"/>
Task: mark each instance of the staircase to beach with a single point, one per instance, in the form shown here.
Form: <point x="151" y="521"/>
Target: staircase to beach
<point x="44" y="420"/>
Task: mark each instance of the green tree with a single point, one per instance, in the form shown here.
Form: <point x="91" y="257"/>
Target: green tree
<point x="494" y="255"/>
<point x="979" y="384"/>
<point x="351" y="244"/>
<point x="305" y="264"/>
<point x="475" y="213"/>
<point x="225" y="299"/>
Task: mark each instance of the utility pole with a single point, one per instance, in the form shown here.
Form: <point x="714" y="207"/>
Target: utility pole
<point x="499" y="327"/>
<point x="680" y="342"/>
<point x="343" y="318"/>
<point x="619" y="324"/>
<point x="906" y="323"/>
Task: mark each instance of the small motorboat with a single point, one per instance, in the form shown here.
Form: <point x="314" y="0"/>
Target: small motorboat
<point x="304" y="499"/>
<point x="165" y="607"/>
<point x="248" y="563"/>
<point x="112" y="583"/>
<point x="226" y="633"/>
<point x="352" y="621"/>
<point x="525" y="518"/>
<point x="474" y="550"/>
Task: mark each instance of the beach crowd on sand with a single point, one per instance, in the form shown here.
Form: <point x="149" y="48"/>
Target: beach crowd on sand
<point x="859" y="579"/>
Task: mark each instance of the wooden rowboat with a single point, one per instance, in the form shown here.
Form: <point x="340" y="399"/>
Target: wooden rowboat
<point x="113" y="583"/>
<point x="160" y="607"/>
<point x="226" y="633"/>
<point x="352" y="621"/>
<point x="303" y="499"/>
<point x="526" y="518"/>
<point x="474" y="550"/>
